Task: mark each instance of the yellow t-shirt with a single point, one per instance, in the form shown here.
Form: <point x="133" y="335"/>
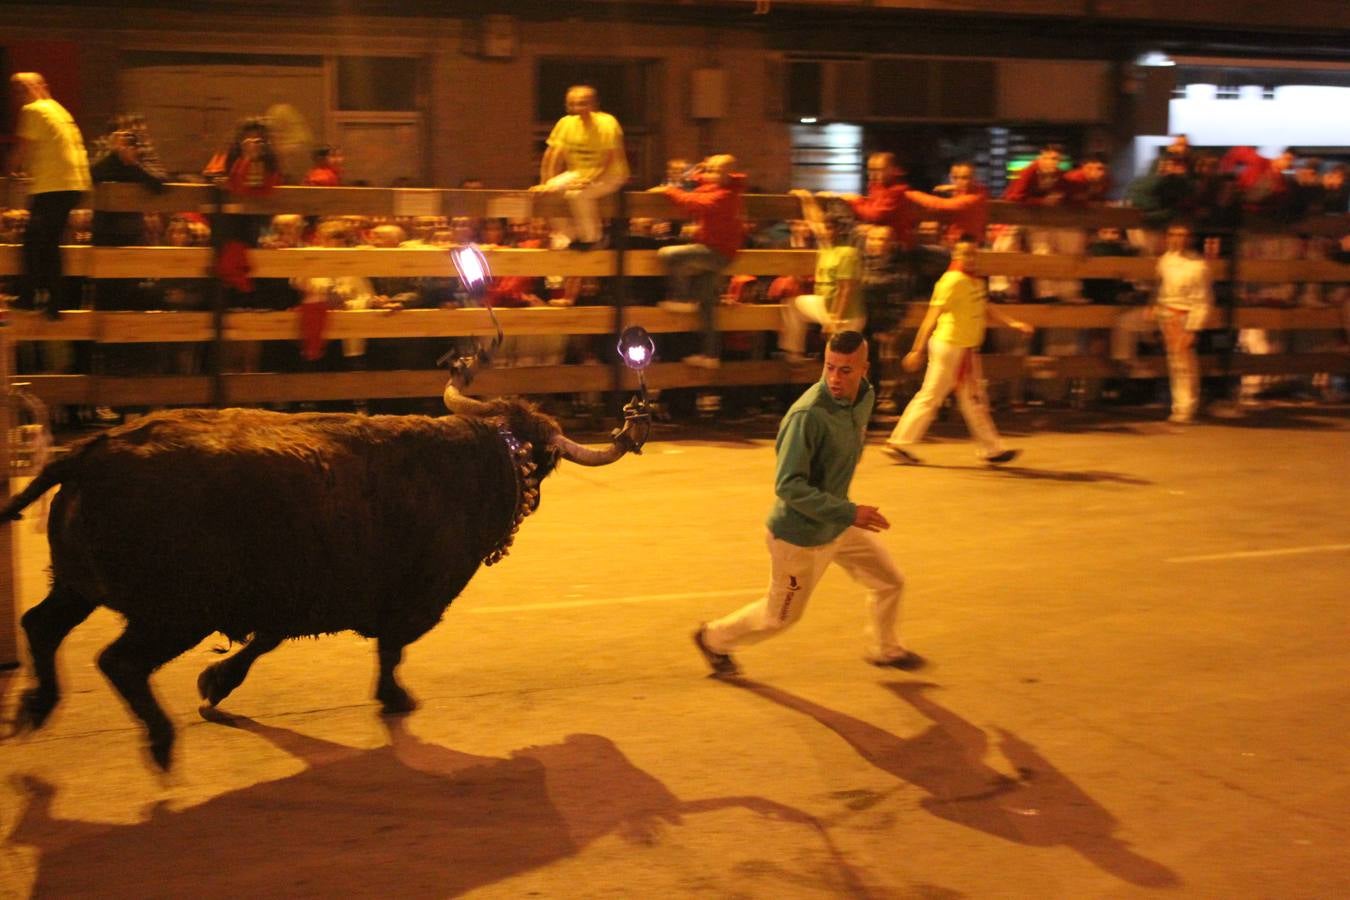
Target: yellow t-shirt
<point x="584" y="149"/>
<point x="56" y="158"/>
<point x="961" y="299"/>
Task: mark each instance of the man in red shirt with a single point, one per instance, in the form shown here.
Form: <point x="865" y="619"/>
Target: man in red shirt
<point x="720" y="231"/>
<point x="886" y="202"/>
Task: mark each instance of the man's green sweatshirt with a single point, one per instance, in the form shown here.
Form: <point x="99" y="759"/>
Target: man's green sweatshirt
<point x="819" y="443"/>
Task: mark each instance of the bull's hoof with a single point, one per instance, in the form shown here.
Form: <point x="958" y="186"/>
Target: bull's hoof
<point x="210" y="687"/>
<point x="395" y="701"/>
<point x="161" y="751"/>
<point x="34" y="707"/>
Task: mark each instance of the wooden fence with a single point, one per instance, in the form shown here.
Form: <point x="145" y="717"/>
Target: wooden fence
<point x="260" y="387"/>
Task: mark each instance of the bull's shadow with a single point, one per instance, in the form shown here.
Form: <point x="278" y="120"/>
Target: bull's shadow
<point x="409" y="819"/>
<point x="1040" y="807"/>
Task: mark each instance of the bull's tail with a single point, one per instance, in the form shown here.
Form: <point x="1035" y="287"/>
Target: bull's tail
<point x="52" y="474"/>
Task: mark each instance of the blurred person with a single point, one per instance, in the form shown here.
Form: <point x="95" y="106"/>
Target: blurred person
<point x="1307" y="196"/>
<point x="585" y="160"/>
<point x="50" y="150"/>
<point x="1182" y="305"/>
<point x="1042" y="183"/>
<point x="696" y="268"/>
<point x="122" y="162"/>
<point x="885" y="303"/>
<point x="327" y="168"/>
<point x="1337" y="189"/>
<point x="13" y="223"/>
<point x="813" y="523"/>
<point x="886" y="202"/>
<point x="835" y="304"/>
<point x="951" y="333"/>
<point x="321" y="294"/>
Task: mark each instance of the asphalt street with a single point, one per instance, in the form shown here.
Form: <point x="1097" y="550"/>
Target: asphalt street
<point x="1137" y="687"/>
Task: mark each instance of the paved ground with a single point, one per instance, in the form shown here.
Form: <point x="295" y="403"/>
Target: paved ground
<point x="1139" y="687"/>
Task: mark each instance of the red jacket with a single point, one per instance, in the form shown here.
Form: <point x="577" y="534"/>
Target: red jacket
<point x="1263" y="188"/>
<point x="966" y="214"/>
<point x="1033" y="188"/>
<point x="718" y="213"/>
<point x="889" y="205"/>
<point x="1082" y="191"/>
<point x="323" y="176"/>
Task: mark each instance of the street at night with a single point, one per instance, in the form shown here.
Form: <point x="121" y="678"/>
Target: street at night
<point x="1137" y="685"/>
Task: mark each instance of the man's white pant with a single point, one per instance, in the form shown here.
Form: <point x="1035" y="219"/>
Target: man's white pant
<point x="794" y="574"/>
<point x="809" y="308"/>
<point x="944" y="373"/>
<point x="585" y="223"/>
<point x="1183" y="365"/>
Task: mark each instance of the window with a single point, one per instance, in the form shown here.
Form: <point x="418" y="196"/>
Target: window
<point x="377" y="83"/>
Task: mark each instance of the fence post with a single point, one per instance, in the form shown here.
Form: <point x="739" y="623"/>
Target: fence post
<point x="619" y="233"/>
<point x="9" y="573"/>
<point x="216" y="358"/>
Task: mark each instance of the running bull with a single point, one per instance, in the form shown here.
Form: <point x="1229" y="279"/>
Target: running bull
<point x="266" y="526"/>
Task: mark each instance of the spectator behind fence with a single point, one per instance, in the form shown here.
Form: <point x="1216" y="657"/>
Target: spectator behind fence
<point x="696" y="268"/>
<point x="327" y="170"/>
<point x="884" y="301"/>
<point x="585" y="161"/>
<point x="836" y="304"/>
<point x="50" y="149"/>
<point x="122" y="162"/>
<point x="1183" y="304"/>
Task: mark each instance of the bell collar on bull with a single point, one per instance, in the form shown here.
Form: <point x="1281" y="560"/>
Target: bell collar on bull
<point x="636" y="348"/>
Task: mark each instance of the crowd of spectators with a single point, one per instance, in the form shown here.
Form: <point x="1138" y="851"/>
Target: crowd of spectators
<point x="880" y="251"/>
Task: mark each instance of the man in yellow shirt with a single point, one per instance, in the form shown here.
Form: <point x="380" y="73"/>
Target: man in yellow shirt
<point x="51" y="151"/>
<point x="585" y="160"/>
<point x="956" y="321"/>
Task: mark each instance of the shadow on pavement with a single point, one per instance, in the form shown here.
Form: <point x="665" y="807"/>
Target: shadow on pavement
<point x="409" y="819"/>
<point x="1085" y="476"/>
<point x="1041" y="807"/>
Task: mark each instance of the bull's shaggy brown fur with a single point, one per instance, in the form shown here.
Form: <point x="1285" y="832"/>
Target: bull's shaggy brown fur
<point x="267" y="526"/>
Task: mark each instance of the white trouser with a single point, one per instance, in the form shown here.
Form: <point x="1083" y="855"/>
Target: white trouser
<point x="944" y="373"/>
<point x="1064" y="242"/>
<point x="793" y="577"/>
<point x="1183" y="364"/>
<point x="585" y="222"/>
<point x="810" y="308"/>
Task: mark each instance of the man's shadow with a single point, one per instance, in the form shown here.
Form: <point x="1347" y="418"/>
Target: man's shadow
<point x="1040" y="807"/>
<point x="1085" y="476"/>
<point x="409" y="819"/>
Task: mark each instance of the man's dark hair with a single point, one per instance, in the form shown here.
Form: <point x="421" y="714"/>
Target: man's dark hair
<point x="847" y="342"/>
<point x="322" y="152"/>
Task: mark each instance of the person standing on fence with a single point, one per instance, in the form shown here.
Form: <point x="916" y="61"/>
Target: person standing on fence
<point x="719" y="233"/>
<point x="585" y="161"/>
<point x="813" y="523"/>
<point x="952" y="331"/>
<point x="51" y="150"/>
<point x="1183" y="303"/>
<point x="837" y="303"/>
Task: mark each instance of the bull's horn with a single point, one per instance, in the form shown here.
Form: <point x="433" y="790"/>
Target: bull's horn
<point x="461" y="405"/>
<point x="588" y="456"/>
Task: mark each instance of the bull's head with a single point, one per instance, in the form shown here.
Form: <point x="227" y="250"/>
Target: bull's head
<point x="628" y="438"/>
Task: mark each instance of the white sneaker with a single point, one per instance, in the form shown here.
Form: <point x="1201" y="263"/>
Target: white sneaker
<point x="703" y="362"/>
<point x="679" y="306"/>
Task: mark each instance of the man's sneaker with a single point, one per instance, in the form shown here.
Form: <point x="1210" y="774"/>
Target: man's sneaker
<point x="722" y="665"/>
<point x="907" y="660"/>
<point x="1006" y="456"/>
<point x="902" y="456"/>
<point x="700" y="361"/>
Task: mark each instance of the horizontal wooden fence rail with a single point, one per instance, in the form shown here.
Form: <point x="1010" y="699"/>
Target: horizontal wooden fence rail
<point x="422" y="262"/>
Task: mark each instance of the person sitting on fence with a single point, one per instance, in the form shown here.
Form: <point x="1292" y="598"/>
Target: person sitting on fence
<point x="836" y="304"/>
<point x="696" y="269"/>
<point x="584" y="160"/>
